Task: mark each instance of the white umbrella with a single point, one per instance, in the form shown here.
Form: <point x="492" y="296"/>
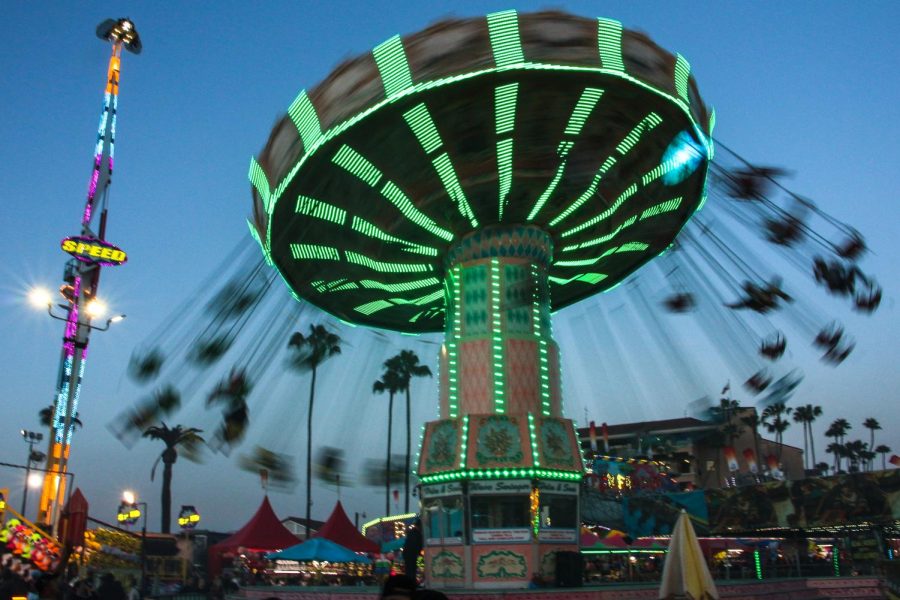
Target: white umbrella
<point x="685" y="574"/>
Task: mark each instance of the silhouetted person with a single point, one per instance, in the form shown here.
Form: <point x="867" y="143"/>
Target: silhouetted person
<point x="398" y="587"/>
<point x="412" y="548"/>
<point x="110" y="588"/>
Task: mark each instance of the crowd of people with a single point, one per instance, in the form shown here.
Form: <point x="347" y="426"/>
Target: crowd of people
<point x="19" y="580"/>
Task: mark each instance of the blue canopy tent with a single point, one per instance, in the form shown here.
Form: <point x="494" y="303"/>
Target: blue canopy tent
<point x="393" y="545"/>
<point x="320" y="549"/>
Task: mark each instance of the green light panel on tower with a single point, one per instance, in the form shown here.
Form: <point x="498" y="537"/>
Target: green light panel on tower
<point x="534" y="441"/>
<point x="464" y="441"/>
<point x="320" y="210"/>
<point x="628" y="193"/>
<point x="386" y="267"/>
<point x="503" y="28"/>
<point x="260" y="182"/>
<point x="454" y="321"/>
<point x="314" y="252"/>
<point x="682" y="74"/>
<point x="538" y="328"/>
<point x="662" y="207"/>
<point x="419" y="120"/>
<point x="352" y="161"/>
<point x="497" y="339"/>
<point x="362" y="226"/>
<point x="303" y="114"/>
<point x="393" y="66"/>
<point x="588" y="193"/>
<point x="609" y="44"/>
<point x="445" y="171"/>
<point x="584" y="107"/>
<point x="396" y="197"/>
<point x="634" y="136"/>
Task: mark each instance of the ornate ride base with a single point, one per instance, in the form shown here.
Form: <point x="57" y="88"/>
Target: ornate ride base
<point x="501" y="469"/>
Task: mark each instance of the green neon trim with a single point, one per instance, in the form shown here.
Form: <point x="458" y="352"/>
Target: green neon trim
<point x="609" y="44"/>
<point x="710" y="145"/>
<point x="590" y="278"/>
<point x="464" y="442"/>
<point x="355" y="163"/>
<point x="455" y="322"/>
<point x="547" y="192"/>
<point x="632" y="247"/>
<point x="428" y="299"/>
<point x="259" y="181"/>
<point x="320" y="210"/>
<point x="314" y="252"/>
<point x="505" y="43"/>
<point x="393" y="66"/>
<point x="540" y="336"/>
<point x="362" y="226"/>
<point x="505" y="107"/>
<point x="521" y="473"/>
<point x="756" y="563"/>
<point x="446" y="172"/>
<point x="647" y="123"/>
<point x="584" y="107"/>
<point x="386" y="267"/>
<point x="662" y="207"/>
<point x="682" y="73"/>
<point x="504" y="171"/>
<point x="577" y="263"/>
<point x="419" y="120"/>
<point x="404" y="286"/>
<point x="396" y="197"/>
<point x="386" y="520"/>
<point x="255" y="235"/>
<point x="497" y="340"/>
<point x="535" y="457"/>
<point x="419" y="449"/>
<point x="372" y="307"/>
<point x="588" y="193"/>
<point x="303" y="114"/>
<point x="628" y="193"/>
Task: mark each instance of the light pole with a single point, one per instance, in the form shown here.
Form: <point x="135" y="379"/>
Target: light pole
<point x="31" y="438"/>
<point x="129" y="498"/>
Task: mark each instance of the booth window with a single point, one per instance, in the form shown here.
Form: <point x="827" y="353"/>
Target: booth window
<point x="443" y="517"/>
<point x="499" y="512"/>
<point x="559" y="512"/>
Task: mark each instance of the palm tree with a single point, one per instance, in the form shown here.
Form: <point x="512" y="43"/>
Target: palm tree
<point x="837" y="449"/>
<point x="872" y="425"/>
<point x="390" y="383"/>
<point x="883" y="450"/>
<point x="172" y="438"/>
<point x="753" y="421"/>
<point x="310" y="351"/>
<point x="774" y="418"/>
<point x="855" y="451"/>
<point x="407" y="366"/>
<point x="841" y="428"/>
<point x="806" y="415"/>
<point x="823" y="467"/>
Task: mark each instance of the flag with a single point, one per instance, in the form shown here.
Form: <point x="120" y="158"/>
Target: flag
<point x="731" y="458"/>
<point x="895" y="460"/>
<point x="592" y="431"/>
<point x="605" y="432"/>
<point x="726" y="388"/>
<point x="750" y="457"/>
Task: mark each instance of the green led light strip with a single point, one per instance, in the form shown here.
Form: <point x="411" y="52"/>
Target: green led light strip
<point x="362" y="226"/>
<point x="356" y="164"/>
<point x="505" y="119"/>
<point x="590" y="278"/>
<point x="711" y="125"/>
<point x="497" y="339"/>
<point x="504" y="171"/>
<point x="646" y="124"/>
<point x="387" y="520"/>
<point x="588" y="193"/>
<point x="258" y="179"/>
<point x="403" y="286"/>
<point x="454" y="320"/>
<point x="628" y="193"/>
<point x="419" y="120"/>
<point x="464" y="442"/>
<point x="372" y="307"/>
<point x="662" y="207"/>
<point x="632" y="247"/>
<point x="385" y="267"/>
<point x="682" y="73"/>
<point x="303" y="114"/>
<point x="609" y="44"/>
<point x="311" y="207"/>
<point x="393" y="66"/>
<point x="535" y="456"/>
<point x="448" y="177"/>
<point x="601" y="239"/>
<point x="503" y="28"/>
<point x="396" y="197"/>
<point x="419" y="450"/>
<point x="537" y="326"/>
<point x="523" y="473"/>
<point x="314" y="252"/>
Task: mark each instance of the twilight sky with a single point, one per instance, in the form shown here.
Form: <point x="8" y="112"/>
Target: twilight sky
<point x="809" y="86"/>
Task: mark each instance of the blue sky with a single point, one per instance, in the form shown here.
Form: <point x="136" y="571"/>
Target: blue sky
<point x="810" y="86"/>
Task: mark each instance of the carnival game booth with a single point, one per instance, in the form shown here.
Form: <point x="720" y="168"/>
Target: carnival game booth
<point x="320" y="561"/>
<point x="262" y="534"/>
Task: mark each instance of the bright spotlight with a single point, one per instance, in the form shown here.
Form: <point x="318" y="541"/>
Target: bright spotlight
<point x="95" y="309"/>
<point x="128" y="496"/>
<point x="35" y="480"/>
<point x="40" y="297"/>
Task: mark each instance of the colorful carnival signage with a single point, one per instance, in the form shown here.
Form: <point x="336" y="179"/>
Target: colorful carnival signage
<point x="29" y="544"/>
<point x="92" y="250"/>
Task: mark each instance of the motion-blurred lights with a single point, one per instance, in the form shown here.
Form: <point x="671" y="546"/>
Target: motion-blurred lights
<point x="681" y="159"/>
<point x="39" y="297"/>
<point x="35" y="480"/>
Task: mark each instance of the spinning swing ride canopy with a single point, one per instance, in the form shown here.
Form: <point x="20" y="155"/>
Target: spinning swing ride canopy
<point x="587" y="131"/>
